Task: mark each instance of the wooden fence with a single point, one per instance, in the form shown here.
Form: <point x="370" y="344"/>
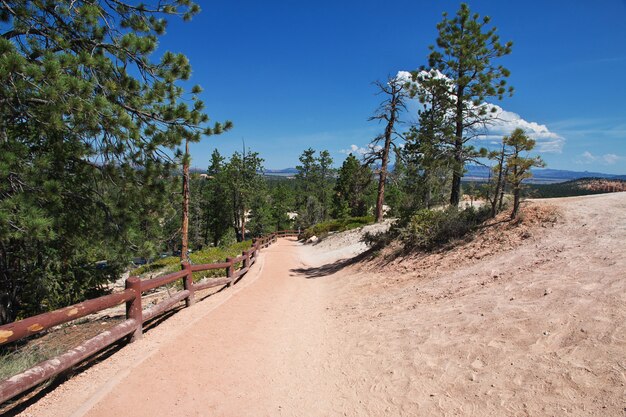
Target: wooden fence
<point x="136" y="316"/>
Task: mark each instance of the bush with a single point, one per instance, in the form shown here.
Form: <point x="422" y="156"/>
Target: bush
<point x="340" y="225"/>
<point x="169" y="263"/>
<point x="428" y="229"/>
<point x="205" y="256"/>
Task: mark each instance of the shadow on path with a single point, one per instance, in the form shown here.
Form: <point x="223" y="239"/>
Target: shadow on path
<point x="331" y="268"/>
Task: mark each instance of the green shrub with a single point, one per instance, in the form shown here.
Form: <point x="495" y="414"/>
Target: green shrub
<point x="169" y="263"/>
<point x="428" y="229"/>
<point x="339" y="225"/>
<point x="204" y="256"/>
<point x="217" y="254"/>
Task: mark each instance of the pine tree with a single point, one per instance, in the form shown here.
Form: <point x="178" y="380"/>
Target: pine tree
<point x="325" y="182"/>
<point x="314" y="186"/>
<point x="281" y="201"/>
<point x="243" y="174"/>
<point x="498" y="178"/>
<point x="464" y="54"/>
<point x="519" y="163"/>
<point x="261" y="221"/>
<point x="86" y="118"/>
<point x="429" y="148"/>
<point x="215" y="200"/>
<point x="350" y="192"/>
<point x="306" y="178"/>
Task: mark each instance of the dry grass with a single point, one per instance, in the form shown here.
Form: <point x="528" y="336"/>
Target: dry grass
<point x="13" y="363"/>
<point x="494" y="236"/>
<point x="20" y="357"/>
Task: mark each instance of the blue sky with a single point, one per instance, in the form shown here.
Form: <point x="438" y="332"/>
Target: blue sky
<point x="293" y="75"/>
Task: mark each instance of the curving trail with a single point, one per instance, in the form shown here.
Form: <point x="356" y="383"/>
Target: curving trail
<point x="258" y="348"/>
<point x="535" y="329"/>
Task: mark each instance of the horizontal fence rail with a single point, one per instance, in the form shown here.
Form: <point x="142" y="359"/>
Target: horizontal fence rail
<point x="20" y="329"/>
<point x="136" y="316"/>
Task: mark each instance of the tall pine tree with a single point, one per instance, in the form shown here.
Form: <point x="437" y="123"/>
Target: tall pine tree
<point x="86" y="121"/>
<point x="465" y="53"/>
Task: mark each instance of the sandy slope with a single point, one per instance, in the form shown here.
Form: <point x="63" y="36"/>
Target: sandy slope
<point x="537" y="330"/>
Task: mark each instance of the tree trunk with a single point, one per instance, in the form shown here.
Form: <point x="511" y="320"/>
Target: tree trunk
<point x="380" y="200"/>
<point x="457" y="173"/>
<point x="185" y="227"/>
<point x="496" y="194"/>
<point x="395" y="104"/>
<point x="516" y="191"/>
<point x="429" y="192"/>
<point x="243" y="224"/>
<point x="501" y="202"/>
<point x="455" y="195"/>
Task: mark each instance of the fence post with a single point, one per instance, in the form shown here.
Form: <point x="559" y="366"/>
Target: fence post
<point x="246" y="259"/>
<point x="230" y="271"/>
<point x="188" y="284"/>
<point x="133" y="307"/>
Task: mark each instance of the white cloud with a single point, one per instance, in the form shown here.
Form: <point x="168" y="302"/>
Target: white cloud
<point x="360" y="150"/>
<point x="404" y="76"/>
<point x="606" y="159"/>
<point x="504" y="122"/>
<point x="587" y="157"/>
<point x="611" y="158"/>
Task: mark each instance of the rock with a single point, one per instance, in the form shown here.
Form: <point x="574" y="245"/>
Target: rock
<point x="312" y="239"/>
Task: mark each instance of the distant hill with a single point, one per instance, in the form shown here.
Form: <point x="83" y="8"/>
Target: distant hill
<point x="581" y="186"/>
<point x="287" y="172"/>
<point x="540" y="175"/>
<point x="480" y="173"/>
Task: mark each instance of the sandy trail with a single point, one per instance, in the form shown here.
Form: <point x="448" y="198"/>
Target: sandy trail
<point x="538" y="330"/>
<point x="260" y="351"/>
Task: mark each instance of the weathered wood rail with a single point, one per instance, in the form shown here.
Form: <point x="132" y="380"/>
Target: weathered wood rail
<point x="136" y="316"/>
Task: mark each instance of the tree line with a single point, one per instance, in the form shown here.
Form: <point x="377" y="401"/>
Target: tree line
<point x="453" y="90"/>
<point x="89" y="125"/>
<point x="91" y="130"/>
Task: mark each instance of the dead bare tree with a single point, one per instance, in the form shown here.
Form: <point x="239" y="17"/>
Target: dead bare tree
<point x="389" y="110"/>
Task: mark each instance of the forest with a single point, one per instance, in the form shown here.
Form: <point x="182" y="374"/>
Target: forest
<point x="94" y="166"/>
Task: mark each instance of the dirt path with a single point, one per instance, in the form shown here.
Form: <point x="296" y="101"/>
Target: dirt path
<point x="258" y="349"/>
<point x="535" y="329"/>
